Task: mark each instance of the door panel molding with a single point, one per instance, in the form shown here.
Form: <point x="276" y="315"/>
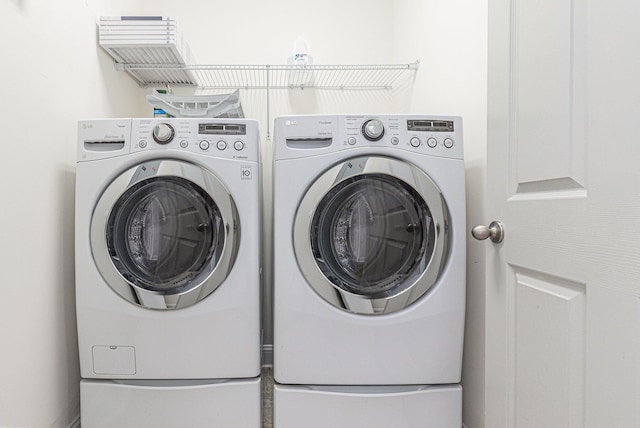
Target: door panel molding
<point x="547" y="315"/>
<point x="547" y="98"/>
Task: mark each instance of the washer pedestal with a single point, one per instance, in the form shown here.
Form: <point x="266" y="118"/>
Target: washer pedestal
<point x="368" y="406"/>
<point x="170" y="404"/>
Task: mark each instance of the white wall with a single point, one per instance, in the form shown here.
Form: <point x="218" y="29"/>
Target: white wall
<point x="55" y="73"/>
<point x="52" y="74"/>
<point x="259" y="32"/>
<point x="450" y="39"/>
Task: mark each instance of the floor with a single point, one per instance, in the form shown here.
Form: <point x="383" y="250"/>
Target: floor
<point x="267" y="397"/>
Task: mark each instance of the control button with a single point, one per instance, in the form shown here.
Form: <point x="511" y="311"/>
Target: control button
<point x="432" y="142"/>
<point x="238" y="145"/>
<point x="142" y="144"/>
<point x="221" y="145"/>
<point x="448" y="143"/>
<point x="184" y="144"/>
<point x="415" y="141"/>
<point x="373" y="129"/>
<point x="351" y="140"/>
<point x="163" y="133"/>
<point x="204" y="145"/>
<point x="395" y="141"/>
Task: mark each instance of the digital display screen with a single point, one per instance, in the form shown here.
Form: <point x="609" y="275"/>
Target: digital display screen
<point x="222" y="128"/>
<point x="430" y="125"/>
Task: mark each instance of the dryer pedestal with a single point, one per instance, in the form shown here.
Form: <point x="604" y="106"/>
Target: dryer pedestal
<point x="367" y="406"/>
<point x="369" y="258"/>
<point x="169" y="404"/>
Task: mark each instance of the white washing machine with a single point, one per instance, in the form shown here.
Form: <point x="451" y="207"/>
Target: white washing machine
<point x="369" y="270"/>
<point x="168" y="272"/>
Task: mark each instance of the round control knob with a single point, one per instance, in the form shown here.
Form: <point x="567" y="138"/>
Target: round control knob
<point x="351" y="141"/>
<point x="414" y="141"/>
<point x="221" y="145"/>
<point x="373" y="129"/>
<point x="163" y="133"/>
<point x="432" y="142"/>
<point x="238" y="145"/>
<point x="448" y="143"/>
<point x="142" y="144"/>
<point x="184" y="144"/>
<point x="395" y="141"/>
<point x="204" y="145"/>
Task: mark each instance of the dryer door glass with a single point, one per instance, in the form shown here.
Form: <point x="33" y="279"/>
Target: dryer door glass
<point x="162" y="232"/>
<point x="165" y="234"/>
<point x="372" y="234"/>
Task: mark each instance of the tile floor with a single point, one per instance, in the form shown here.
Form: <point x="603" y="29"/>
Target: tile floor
<point x="267" y="397"/>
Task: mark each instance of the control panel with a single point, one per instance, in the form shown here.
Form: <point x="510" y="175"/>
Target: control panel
<point x="228" y="138"/>
<point x="236" y="139"/>
<point x="437" y="135"/>
<point x="312" y="135"/>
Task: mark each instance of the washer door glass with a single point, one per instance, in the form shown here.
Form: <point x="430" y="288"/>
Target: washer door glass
<point x="371" y="235"/>
<point x="163" y="232"/>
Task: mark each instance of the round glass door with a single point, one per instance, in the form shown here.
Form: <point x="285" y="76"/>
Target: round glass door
<point x="370" y="233"/>
<point x="375" y="242"/>
<point x="164" y="234"/>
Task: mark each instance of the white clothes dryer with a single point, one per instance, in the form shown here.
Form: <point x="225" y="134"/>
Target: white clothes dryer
<point x="168" y="264"/>
<point x="369" y="262"/>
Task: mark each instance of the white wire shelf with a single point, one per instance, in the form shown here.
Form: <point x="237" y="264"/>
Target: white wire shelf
<point x="333" y="77"/>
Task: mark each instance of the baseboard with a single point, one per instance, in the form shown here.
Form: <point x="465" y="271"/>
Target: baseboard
<point x="267" y="355"/>
<point x="75" y="423"/>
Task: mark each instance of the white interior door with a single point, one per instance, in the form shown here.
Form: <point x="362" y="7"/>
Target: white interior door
<point x="563" y="288"/>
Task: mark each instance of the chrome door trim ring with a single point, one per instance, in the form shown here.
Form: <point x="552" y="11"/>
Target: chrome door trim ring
<point x="210" y="278"/>
<point x="355" y="303"/>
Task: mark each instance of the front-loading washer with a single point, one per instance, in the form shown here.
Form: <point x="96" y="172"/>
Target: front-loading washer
<point x="168" y="272"/>
<point x="369" y="269"/>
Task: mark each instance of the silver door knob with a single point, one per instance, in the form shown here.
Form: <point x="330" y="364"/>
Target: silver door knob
<point x="495" y="232"/>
